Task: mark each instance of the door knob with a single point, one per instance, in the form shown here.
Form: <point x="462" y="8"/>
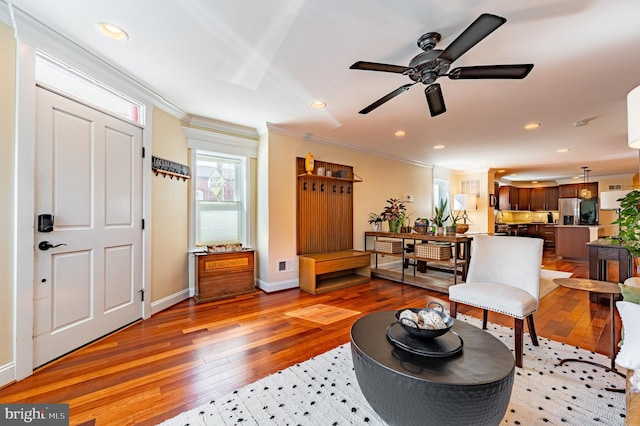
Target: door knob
<point x="46" y="245"/>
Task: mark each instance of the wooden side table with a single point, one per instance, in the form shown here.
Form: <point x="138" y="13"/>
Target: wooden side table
<point x="600" y="252"/>
<point x="598" y="287"/>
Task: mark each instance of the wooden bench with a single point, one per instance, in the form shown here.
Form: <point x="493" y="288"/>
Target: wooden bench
<point x="324" y="272"/>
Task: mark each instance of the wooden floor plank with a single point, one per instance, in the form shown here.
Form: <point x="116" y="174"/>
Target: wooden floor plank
<point x="191" y="353"/>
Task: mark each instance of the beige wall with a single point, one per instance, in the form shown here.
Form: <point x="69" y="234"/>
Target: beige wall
<point x="7" y="95"/>
<point x="382" y="179"/>
<point x="169" y="211"/>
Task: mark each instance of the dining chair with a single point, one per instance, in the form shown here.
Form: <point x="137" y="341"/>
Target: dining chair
<point x="503" y="277"/>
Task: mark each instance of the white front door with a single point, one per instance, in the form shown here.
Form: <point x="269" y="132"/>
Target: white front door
<point x="88" y="175"/>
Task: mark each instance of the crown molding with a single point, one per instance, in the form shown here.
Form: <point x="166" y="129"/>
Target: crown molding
<point x="43" y="38"/>
<point x="326" y="141"/>
<point x="220" y="126"/>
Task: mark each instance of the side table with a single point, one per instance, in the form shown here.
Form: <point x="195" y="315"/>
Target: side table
<point x="598" y="287"/>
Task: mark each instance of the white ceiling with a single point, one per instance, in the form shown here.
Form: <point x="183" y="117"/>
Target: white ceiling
<point x="253" y="62"/>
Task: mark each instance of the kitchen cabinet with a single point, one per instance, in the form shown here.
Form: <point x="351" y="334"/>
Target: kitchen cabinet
<point x="544" y="198"/>
<point x="578" y="190"/>
<point x="508" y="197"/>
<point x="524" y="196"/>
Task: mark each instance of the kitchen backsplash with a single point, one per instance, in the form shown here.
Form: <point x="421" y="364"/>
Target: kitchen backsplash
<point x="525" y="217"/>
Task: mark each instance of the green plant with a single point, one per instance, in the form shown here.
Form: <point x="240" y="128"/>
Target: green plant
<point x="394" y="210"/>
<point x="405" y="219"/>
<point x="629" y="222"/>
<point x="441" y="215"/>
<point x="375" y="218"/>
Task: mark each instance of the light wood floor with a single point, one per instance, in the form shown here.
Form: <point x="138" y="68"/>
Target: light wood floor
<point x="190" y="354"/>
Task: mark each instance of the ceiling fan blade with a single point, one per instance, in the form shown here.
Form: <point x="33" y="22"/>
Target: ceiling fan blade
<point x="478" y="30"/>
<point x="491" y="71"/>
<point x="374" y="66"/>
<point x="435" y="99"/>
<point x="386" y="98"/>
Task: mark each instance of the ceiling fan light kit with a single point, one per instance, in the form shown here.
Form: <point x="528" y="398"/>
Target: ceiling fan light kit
<point x="431" y="64"/>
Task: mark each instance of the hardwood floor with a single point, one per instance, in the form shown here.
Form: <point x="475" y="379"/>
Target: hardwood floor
<point x="190" y="354"/>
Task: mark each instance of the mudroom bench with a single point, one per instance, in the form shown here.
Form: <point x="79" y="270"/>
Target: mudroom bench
<point x="324" y="272"/>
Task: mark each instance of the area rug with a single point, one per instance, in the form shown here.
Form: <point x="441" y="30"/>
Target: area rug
<point x="324" y="391"/>
<point x="546" y="280"/>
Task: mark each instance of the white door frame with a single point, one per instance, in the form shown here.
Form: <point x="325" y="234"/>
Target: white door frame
<point x="24" y="212"/>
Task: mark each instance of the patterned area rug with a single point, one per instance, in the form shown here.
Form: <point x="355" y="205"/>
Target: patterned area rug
<point x="324" y="391"/>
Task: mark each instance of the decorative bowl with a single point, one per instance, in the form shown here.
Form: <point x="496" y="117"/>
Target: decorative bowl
<point x="426" y="333"/>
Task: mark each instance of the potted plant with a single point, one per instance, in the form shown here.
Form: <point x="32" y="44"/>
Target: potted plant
<point x="456" y="218"/>
<point x="629" y="224"/>
<point x="375" y="220"/>
<point x="393" y="214"/>
<point x="405" y="222"/>
<point x="440" y="216"/>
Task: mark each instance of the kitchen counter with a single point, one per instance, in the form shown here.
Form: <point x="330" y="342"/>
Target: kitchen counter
<point x="571" y="240"/>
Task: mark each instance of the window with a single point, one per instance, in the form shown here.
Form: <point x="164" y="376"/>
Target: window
<point x="219" y="199"/>
<point x="441" y="192"/>
<point x="220" y="188"/>
<point x="70" y="81"/>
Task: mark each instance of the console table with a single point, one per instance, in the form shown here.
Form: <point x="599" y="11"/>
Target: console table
<point x="458" y="263"/>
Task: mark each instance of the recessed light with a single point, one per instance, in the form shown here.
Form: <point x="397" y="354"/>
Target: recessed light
<point x="318" y="104"/>
<point x="531" y="126"/>
<point x="112" y="31"/>
<point x="501" y="171"/>
<point x="577" y="177"/>
<point x="534" y="181"/>
<point x="400" y="133"/>
<point x="563" y="150"/>
<point x="438" y="147"/>
<point x="513" y="174"/>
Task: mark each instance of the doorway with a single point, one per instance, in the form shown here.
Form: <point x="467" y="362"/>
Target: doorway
<point x="88" y="264"/>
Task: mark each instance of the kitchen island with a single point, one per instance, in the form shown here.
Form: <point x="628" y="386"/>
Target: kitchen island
<point x="571" y="240"/>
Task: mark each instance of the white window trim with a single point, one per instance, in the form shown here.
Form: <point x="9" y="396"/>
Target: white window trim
<point x="226" y="145"/>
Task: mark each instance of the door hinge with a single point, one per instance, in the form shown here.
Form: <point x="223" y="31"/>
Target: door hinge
<point x="143" y="152"/>
<point x="143" y="224"/>
<point x="141" y="295"/>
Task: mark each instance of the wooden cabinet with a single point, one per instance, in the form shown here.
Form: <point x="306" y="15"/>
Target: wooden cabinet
<point x="524" y="199"/>
<point x="579" y="190"/>
<point x="544" y="198"/>
<point x="508" y="198"/>
<point x="571" y="242"/>
<point x="552" y="197"/>
<point x="224" y="274"/>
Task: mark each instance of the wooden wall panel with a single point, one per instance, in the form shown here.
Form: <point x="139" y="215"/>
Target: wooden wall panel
<point x="324" y="209"/>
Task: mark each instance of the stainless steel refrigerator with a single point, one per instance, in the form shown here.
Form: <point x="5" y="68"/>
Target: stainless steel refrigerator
<point x="569" y="209"/>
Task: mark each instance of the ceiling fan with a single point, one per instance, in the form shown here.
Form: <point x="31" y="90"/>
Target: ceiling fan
<point x="431" y="64"/>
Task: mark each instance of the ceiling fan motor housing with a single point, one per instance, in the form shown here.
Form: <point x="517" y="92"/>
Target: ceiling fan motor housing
<point x="427" y="66"/>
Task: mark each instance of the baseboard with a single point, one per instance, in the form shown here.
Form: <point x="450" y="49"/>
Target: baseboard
<point x="169" y="301"/>
<point x="7" y="374"/>
<point x="277" y="286"/>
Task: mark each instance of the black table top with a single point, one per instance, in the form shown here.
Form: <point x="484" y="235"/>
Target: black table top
<point x="483" y="359"/>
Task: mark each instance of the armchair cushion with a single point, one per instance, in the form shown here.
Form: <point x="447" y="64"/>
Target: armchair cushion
<point x="496" y="297"/>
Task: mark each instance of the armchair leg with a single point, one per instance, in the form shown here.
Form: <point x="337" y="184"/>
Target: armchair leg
<point x="532" y="330"/>
<point x="518" y="340"/>
<point x="453" y="308"/>
<point x="485" y="315"/>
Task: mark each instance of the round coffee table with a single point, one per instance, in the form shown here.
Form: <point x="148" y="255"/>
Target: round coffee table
<point x="472" y="386"/>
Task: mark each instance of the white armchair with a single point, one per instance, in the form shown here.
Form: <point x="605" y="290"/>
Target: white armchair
<point x="503" y="277"/>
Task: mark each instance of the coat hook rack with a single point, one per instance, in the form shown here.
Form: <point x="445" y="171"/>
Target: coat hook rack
<point x="169" y="168"/>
